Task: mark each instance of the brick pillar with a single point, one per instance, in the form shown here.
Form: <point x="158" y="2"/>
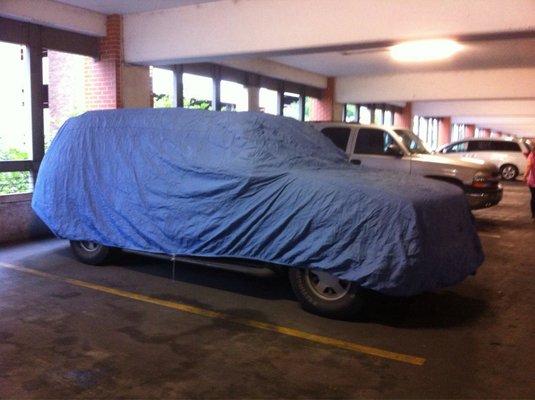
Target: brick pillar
<point x="485" y="133"/>
<point x="444" y="131"/>
<point x="469" y="131"/>
<point x="103" y="76"/>
<point x="323" y="109"/>
<point x="404" y="120"/>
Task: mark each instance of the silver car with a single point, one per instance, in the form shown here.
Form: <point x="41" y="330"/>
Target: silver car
<point x="401" y="150"/>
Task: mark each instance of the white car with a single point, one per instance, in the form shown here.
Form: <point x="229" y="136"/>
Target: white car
<point x="510" y="156"/>
<point x="401" y="150"/>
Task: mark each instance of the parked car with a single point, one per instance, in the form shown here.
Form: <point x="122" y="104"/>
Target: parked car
<point x="399" y="149"/>
<point x="508" y="155"/>
<point x="252" y="189"/>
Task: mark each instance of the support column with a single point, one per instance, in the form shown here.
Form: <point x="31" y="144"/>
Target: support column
<point x="485" y="133"/>
<point x="404" y="119"/>
<point x="178" y="71"/>
<point x="325" y="109"/>
<point x="253" y="99"/>
<point x="103" y="76"/>
<point x="469" y="131"/>
<point x="444" y="131"/>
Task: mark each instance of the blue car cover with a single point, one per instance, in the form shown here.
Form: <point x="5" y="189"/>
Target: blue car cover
<point x="251" y="186"/>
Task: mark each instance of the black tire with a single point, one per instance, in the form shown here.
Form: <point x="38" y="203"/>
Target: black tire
<point x="508" y="172"/>
<point x="91" y="253"/>
<point x="345" y="304"/>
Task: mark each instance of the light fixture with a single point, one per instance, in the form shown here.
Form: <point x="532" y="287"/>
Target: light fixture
<point x="425" y="50"/>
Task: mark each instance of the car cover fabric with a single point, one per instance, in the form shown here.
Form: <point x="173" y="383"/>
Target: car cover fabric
<point x="251" y="186"/>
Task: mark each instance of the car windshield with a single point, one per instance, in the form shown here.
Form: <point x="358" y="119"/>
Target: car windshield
<point x="412" y="142"/>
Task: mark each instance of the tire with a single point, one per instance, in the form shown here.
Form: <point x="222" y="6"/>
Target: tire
<point x="508" y="172"/>
<point x="90" y="253"/>
<point x="322" y="294"/>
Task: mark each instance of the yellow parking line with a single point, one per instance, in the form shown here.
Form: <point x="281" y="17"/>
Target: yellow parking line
<point x="491" y="235"/>
<point x="341" y="344"/>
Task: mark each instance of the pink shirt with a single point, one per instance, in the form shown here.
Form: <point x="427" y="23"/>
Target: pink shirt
<point x="531" y="177"/>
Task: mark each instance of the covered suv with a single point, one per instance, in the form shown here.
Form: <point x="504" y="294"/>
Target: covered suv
<point x="401" y="150"/>
<point x="508" y="155"/>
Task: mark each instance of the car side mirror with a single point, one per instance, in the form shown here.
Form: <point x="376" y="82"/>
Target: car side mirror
<point x="394" y="150"/>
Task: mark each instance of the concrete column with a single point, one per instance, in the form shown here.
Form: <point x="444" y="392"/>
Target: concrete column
<point x="253" y="98"/>
<point x="404" y="119"/>
<point x="444" y="131"/>
<point x="469" y="131"/>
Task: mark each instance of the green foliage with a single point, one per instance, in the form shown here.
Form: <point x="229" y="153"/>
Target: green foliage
<point x="18" y="181"/>
<point x="162" y="101"/>
<point x="198" y="104"/>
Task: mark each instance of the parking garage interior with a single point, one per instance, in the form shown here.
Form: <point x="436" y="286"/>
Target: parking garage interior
<point x="457" y="74"/>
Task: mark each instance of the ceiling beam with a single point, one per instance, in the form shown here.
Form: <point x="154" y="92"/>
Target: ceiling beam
<point x="472" y="108"/>
<point x="487" y="84"/>
<point x="228" y="28"/>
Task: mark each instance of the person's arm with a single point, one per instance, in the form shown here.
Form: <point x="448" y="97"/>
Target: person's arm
<point x="528" y="167"/>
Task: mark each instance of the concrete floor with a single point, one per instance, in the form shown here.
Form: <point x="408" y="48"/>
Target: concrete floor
<point x="60" y="340"/>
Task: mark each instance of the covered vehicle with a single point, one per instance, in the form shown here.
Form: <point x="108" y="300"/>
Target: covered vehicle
<point x="253" y="187"/>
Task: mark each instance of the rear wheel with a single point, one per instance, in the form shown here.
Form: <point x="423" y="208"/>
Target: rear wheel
<point x="508" y="172"/>
<point x="324" y="294"/>
<point x="90" y="252"/>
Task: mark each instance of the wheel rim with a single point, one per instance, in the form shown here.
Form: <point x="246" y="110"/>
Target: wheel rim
<point x="326" y="286"/>
<point x="508" y="172"/>
<point x="89" y="246"/>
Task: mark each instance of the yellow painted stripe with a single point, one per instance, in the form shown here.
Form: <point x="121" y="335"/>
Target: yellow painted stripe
<point x="341" y="344"/>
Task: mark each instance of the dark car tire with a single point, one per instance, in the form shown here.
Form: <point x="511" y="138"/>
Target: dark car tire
<point x="91" y="253"/>
<point x="329" y="301"/>
<point x="508" y="172"/>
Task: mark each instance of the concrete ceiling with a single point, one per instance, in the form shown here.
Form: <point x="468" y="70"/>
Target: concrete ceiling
<point x="130" y="6"/>
<point x="505" y="53"/>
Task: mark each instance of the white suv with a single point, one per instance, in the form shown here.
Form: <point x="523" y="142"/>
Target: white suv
<point x="401" y="150"/>
<point x="508" y="155"/>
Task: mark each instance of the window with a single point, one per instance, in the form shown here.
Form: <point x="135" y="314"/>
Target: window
<point x="163" y="87"/>
<point x="378" y="116"/>
<point x="427" y="130"/>
<point x="458" y="132"/>
<point x="309" y="104"/>
<point x="15" y="104"/>
<point x="479" y="133"/>
<point x="372" y="141"/>
<point x="291" y="105"/>
<point x="268" y="101"/>
<point x="388" y="118"/>
<point x="234" y="97"/>
<point x="351" y="114"/>
<point x="499" y="145"/>
<point x="65" y="75"/>
<point x="15" y="114"/>
<point x="457" y="148"/>
<point x="365" y="115"/>
<point x="339" y="136"/>
<point x="479" y="145"/>
<point x="198" y="91"/>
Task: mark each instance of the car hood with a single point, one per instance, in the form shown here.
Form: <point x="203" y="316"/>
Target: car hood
<point x="458" y="163"/>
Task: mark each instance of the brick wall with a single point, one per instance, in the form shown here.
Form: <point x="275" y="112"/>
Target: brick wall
<point x="323" y="109"/>
<point x="404" y="119"/>
<point x="103" y="76"/>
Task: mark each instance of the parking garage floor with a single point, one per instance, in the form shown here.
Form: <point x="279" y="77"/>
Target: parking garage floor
<point x="128" y="330"/>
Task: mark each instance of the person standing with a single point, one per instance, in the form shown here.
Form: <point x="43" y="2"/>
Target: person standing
<point x="529" y="178"/>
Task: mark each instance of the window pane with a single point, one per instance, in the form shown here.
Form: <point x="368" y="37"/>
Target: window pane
<point x="15" y="182"/>
<point x="15" y="103"/>
<point x="163" y="87"/>
<point x="65" y="74"/>
<point x="372" y="141"/>
<point x="388" y="118"/>
<point x="378" y="116"/>
<point x="198" y="91"/>
<point x="234" y="97"/>
<point x="351" y="113"/>
<point x="339" y="136"/>
<point x="309" y="101"/>
<point x="365" y="115"/>
<point x="291" y="105"/>
<point x="268" y="100"/>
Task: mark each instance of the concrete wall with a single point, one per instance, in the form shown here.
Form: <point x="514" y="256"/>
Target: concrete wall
<point x="18" y="221"/>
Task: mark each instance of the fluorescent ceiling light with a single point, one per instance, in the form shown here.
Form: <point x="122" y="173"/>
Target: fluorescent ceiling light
<point x="425" y="50"/>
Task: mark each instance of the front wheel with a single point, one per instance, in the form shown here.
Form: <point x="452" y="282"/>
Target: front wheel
<point x="324" y="294"/>
<point x="509" y="172"/>
<point x="90" y="252"/>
